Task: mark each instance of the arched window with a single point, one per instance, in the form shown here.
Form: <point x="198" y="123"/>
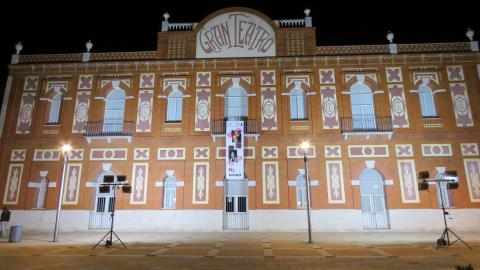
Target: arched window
<point x="54" y="116"/>
<point x="174" y="106"/>
<point x="301" y="191"/>
<point x="170" y="192"/>
<point x="236" y="103"/>
<point x="114" y="111"/>
<point x="363" y="110"/>
<point x="298" y="109"/>
<point x="427" y="102"/>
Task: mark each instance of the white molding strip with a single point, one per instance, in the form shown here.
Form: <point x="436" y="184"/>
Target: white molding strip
<point x="6" y="94"/>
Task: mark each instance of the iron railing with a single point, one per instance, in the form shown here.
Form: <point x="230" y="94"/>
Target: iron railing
<point x="362" y="124"/>
<point x="219" y="126"/>
<point x="108" y="128"/>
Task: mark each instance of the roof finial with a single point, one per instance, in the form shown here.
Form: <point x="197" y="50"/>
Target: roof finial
<point x="88" y="45"/>
<point x="390" y="36"/>
<point x="19" y="47"/>
<point x="470" y="33"/>
<point x="166" y="16"/>
<point x="307" y="12"/>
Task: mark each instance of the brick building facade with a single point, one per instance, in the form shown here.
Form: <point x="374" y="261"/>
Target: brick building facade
<point x="374" y="115"/>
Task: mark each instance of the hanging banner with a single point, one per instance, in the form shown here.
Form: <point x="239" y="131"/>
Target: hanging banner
<point x="234" y="150"/>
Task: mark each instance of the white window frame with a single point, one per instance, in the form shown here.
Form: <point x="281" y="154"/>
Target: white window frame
<point x="427" y="102"/>
<point x="298" y="104"/>
<point x="170" y="192"/>
<point x="114" y="114"/>
<point x="236" y="103"/>
<point x="301" y="191"/>
<point x="174" y="106"/>
<point x="55" y="107"/>
<point x="363" y="107"/>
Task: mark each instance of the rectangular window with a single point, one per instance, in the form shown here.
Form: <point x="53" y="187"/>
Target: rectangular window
<point x="101" y="204"/>
<point x="54" y="115"/>
<point x="297" y="107"/>
<point x="229" y="204"/>
<point x="174" y="109"/>
<point x="301" y="192"/>
<point x="242" y="204"/>
<point x="170" y="194"/>
<point x="427" y="105"/>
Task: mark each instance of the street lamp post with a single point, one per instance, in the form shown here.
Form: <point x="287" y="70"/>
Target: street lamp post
<point x="66" y="152"/>
<point x="305" y="146"/>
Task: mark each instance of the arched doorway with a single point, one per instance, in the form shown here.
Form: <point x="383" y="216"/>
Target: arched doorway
<point x="372" y="197"/>
<point x="102" y="205"/>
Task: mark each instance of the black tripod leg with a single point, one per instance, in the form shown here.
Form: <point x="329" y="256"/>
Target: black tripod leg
<point x="459" y="239"/>
<point x="100" y="240"/>
<point x="118" y="238"/>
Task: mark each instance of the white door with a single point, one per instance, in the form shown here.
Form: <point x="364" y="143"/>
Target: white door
<point x="235" y="214"/>
<point x="100" y="215"/>
<point x="372" y="197"/>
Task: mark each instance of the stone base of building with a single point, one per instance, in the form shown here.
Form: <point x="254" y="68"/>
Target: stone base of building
<point x="348" y="220"/>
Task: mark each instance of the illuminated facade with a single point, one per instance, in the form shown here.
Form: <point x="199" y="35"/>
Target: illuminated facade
<point x="375" y="115"/>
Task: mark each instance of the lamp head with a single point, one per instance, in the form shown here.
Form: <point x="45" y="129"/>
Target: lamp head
<point x="305" y="145"/>
<point x="66" y="148"/>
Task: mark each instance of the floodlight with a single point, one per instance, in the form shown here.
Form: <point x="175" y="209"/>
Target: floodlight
<point x="423" y="175"/>
<point x="108" y="179"/>
<point x="452" y="185"/>
<point x="451" y="175"/>
<point x="104" y="189"/>
<point x="423" y="185"/>
<point x="127" y="189"/>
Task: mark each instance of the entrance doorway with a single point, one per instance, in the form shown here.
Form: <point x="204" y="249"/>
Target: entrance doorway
<point x="100" y="214"/>
<point x="372" y="196"/>
<point x="235" y="211"/>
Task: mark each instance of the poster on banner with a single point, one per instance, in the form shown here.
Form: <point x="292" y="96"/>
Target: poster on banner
<point x="234" y="150"/>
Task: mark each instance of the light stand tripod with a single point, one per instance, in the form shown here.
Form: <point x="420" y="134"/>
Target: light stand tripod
<point x="441" y="242"/>
<point x="108" y="238"/>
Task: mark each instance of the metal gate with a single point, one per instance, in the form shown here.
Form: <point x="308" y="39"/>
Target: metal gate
<point x="235" y="211"/>
<point x="100" y="214"/>
<point x="372" y="196"/>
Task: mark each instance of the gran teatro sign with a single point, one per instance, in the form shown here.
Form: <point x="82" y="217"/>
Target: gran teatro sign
<point x="235" y="34"/>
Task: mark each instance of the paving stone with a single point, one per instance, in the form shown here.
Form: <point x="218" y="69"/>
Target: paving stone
<point x="352" y="252"/>
<point x="187" y="251"/>
<point x="240" y="252"/>
<point x="295" y="252"/>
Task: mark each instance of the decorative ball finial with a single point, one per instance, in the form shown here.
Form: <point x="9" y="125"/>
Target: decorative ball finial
<point x="19" y="47"/>
<point x="470" y="34"/>
<point x="307" y="12"/>
<point x="89" y="45"/>
<point x="390" y="36"/>
<point x="166" y="16"/>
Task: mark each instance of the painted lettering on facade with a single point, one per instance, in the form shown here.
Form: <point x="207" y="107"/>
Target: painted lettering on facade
<point x="235" y="34"/>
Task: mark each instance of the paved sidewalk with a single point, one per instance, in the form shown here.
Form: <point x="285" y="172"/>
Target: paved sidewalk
<point x="240" y="250"/>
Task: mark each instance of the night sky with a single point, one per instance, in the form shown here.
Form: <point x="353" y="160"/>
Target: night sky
<point x="64" y="27"/>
